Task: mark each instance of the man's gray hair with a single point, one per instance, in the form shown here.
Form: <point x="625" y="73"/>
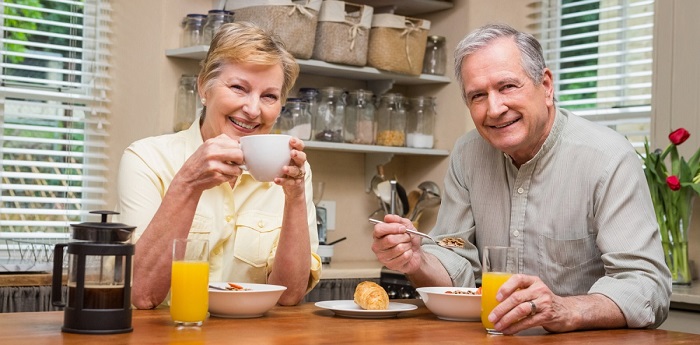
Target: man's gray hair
<point x="532" y="59"/>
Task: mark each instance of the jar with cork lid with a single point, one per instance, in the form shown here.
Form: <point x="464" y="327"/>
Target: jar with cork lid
<point x="391" y="121"/>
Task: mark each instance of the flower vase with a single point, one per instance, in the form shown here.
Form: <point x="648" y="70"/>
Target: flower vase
<point x="674" y="229"/>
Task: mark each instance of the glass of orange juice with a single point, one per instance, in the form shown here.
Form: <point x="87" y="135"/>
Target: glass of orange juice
<point x="189" y="282"/>
<point x="499" y="263"/>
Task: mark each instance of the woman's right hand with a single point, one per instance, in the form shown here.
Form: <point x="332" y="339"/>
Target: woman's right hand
<point x="394" y="247"/>
<point x="216" y="161"/>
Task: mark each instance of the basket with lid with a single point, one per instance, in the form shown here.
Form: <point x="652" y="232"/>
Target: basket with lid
<point x="397" y="43"/>
<point x="342" y="33"/>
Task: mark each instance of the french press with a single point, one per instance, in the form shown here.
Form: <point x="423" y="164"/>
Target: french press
<point x="99" y="277"/>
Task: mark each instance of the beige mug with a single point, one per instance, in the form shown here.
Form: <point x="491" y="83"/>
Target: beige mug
<point x="265" y="155"/>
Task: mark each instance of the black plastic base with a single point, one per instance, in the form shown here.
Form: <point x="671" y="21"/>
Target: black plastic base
<point x="96" y="321"/>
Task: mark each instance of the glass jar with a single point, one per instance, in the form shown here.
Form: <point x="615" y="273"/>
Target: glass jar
<point x="215" y="19"/>
<point x="185" y="102"/>
<point x="421" y="123"/>
<point x="330" y="115"/>
<point x="360" y="127"/>
<point x="310" y="96"/>
<point x="391" y="121"/>
<point x="435" y="58"/>
<point x="295" y="119"/>
<point x="192" y="26"/>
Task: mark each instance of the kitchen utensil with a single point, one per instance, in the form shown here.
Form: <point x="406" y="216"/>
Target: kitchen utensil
<point x="401" y="199"/>
<point x="412" y="198"/>
<point x="401" y="193"/>
<point x="423" y="204"/>
<point x="336" y="241"/>
<point x="374" y="184"/>
<point x="415" y="232"/>
<point x="99" y="277"/>
<point x="429" y="187"/>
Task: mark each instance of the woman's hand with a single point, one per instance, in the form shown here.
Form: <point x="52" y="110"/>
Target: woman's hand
<point x="216" y="161"/>
<point x="293" y="180"/>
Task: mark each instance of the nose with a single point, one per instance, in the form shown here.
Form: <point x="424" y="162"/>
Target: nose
<point x="252" y="106"/>
<point x="496" y="105"/>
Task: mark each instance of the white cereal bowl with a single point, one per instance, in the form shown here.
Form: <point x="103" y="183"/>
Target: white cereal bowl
<point x="452" y="307"/>
<point x="255" y="301"/>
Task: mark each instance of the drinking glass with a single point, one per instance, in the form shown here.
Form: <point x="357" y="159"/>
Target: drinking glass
<point x="189" y="283"/>
<point x="499" y="264"/>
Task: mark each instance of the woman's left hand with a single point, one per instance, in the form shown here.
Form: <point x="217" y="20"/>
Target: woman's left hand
<point x="293" y="180"/>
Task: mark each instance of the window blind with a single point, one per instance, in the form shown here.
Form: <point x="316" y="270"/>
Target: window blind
<point x="54" y="87"/>
<point x="600" y="52"/>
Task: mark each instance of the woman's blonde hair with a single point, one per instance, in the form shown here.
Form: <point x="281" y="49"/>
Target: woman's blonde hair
<point x="243" y="42"/>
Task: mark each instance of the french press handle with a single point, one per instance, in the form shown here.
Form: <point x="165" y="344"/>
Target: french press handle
<point x="57" y="279"/>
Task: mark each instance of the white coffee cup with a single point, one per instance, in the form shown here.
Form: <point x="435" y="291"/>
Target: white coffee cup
<point x="265" y="155"/>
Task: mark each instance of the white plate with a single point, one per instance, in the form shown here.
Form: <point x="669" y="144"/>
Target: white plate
<point x="349" y="308"/>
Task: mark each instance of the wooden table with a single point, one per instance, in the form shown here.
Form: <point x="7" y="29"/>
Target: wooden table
<point x="308" y="324"/>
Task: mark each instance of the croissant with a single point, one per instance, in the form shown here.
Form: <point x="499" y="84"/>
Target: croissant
<point x="371" y="296"/>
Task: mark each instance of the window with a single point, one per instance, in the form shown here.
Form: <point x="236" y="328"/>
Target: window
<point x="54" y="87"/>
<point x="600" y="52"/>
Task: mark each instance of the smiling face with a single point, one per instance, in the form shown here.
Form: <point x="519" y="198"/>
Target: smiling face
<point x="510" y="112"/>
<point x="243" y="99"/>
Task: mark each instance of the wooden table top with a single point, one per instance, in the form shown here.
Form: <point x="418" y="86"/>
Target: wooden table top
<point x="308" y="324"/>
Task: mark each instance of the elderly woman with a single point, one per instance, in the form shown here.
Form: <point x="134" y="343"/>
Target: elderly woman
<point x="189" y="184"/>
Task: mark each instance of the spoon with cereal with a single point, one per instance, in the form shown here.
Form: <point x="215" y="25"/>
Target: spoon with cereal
<point x="449" y="243"/>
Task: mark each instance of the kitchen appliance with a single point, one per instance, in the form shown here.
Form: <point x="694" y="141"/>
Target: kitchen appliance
<point x="396" y="284"/>
<point x="99" y="277"/>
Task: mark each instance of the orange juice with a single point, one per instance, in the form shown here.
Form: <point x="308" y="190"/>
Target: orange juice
<point x="490" y="283"/>
<point x="189" y="291"/>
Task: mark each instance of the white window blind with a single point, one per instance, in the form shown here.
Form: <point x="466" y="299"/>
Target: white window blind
<point x="54" y="87"/>
<point x="600" y="52"/>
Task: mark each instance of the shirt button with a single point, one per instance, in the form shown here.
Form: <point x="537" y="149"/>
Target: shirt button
<point x="516" y="233"/>
<point x="261" y="224"/>
<point x="521" y="190"/>
<point x="229" y="219"/>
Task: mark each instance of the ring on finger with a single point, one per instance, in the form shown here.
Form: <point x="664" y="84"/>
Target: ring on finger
<point x="533" y="308"/>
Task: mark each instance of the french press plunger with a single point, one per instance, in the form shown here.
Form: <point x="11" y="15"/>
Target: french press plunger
<point x="99" y="277"/>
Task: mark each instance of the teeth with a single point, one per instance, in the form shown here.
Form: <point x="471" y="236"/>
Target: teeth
<point x="504" y="125"/>
<point x="242" y="124"/>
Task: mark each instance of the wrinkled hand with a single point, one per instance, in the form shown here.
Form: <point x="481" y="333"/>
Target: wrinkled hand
<point x="394" y="247"/>
<point x="293" y="180"/>
<point x="216" y="161"/>
<point x="515" y="312"/>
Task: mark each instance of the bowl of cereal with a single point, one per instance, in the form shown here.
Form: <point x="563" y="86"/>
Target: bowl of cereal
<point x="242" y="300"/>
<point x="453" y="303"/>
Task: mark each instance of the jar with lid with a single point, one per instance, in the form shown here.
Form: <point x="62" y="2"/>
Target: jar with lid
<point x="295" y="119"/>
<point x="330" y="115"/>
<point x="360" y="127"/>
<point x="421" y="123"/>
<point x="192" y="26"/>
<point x="435" y="58"/>
<point x="215" y="19"/>
<point x="310" y="96"/>
<point x="185" y="102"/>
<point x="391" y="121"/>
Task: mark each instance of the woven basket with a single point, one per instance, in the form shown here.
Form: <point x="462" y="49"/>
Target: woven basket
<point x="342" y="34"/>
<point x="397" y="43"/>
<point x="294" y="23"/>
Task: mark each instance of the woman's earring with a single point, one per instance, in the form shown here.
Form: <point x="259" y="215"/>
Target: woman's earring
<point x="204" y="101"/>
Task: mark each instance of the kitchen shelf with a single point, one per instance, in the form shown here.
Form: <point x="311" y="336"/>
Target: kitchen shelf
<point x="409" y="7"/>
<point x="378" y="81"/>
<point x="375" y="155"/>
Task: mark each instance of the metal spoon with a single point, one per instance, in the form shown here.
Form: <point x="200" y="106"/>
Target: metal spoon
<point x="415" y="232"/>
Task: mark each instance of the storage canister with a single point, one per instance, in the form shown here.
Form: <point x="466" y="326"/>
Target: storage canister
<point x="342" y="33"/>
<point x="360" y="126"/>
<point x="391" y="121"/>
<point x="397" y="43"/>
<point x="295" y="119"/>
<point x="435" y="58"/>
<point x="215" y="19"/>
<point x="330" y="115"/>
<point x="185" y="102"/>
<point x="294" y="22"/>
<point x="421" y="123"/>
<point x="192" y="26"/>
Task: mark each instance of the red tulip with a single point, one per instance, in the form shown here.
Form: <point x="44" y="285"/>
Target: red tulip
<point x="673" y="182"/>
<point x="679" y="136"/>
